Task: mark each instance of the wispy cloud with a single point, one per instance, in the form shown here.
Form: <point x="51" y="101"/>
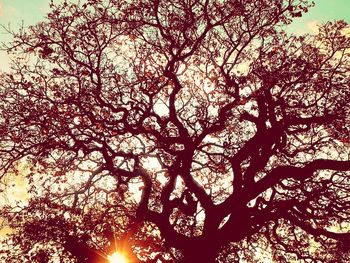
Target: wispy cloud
<point x="313" y="26"/>
<point x="7" y="13"/>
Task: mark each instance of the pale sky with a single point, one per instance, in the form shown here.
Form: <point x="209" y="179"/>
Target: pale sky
<point x="14" y="12"/>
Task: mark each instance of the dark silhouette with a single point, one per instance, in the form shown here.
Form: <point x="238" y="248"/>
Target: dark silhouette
<point x="179" y="131"/>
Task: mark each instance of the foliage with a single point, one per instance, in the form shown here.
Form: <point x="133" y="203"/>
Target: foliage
<point x="180" y="131"/>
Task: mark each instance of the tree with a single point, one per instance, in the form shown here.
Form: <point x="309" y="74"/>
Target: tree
<point x="184" y="131"/>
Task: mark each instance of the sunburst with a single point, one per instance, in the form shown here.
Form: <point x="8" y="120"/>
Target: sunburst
<point x="117" y="257"/>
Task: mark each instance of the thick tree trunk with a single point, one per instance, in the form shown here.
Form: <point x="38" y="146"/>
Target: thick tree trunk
<point x="205" y="253"/>
<point x="199" y="256"/>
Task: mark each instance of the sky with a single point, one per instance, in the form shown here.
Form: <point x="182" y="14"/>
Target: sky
<point x="14" y="12"/>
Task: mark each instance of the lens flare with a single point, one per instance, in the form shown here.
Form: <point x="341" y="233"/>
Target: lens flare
<point x="117" y="257"/>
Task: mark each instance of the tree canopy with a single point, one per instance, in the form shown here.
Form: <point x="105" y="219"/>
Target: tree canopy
<point x="177" y="131"/>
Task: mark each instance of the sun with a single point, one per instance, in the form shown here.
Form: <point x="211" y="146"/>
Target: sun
<point x="117" y="257"/>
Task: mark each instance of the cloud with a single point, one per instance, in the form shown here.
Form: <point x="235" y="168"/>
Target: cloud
<point x="7" y="13"/>
<point x="313" y="26"/>
<point x="346" y="31"/>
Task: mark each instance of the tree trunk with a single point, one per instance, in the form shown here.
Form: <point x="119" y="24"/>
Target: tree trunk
<point x="205" y="254"/>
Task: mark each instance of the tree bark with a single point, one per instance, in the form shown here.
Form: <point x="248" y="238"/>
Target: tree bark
<point x="205" y="252"/>
<point x="199" y="256"/>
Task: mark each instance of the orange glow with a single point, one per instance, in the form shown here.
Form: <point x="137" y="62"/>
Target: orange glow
<point x="117" y="257"/>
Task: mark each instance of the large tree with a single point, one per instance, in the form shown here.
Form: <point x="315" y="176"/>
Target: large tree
<point x="179" y="131"/>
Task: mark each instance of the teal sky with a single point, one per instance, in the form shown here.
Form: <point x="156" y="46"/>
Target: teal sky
<point x="323" y="11"/>
<point x="30" y="11"/>
<point x="14" y="12"/>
